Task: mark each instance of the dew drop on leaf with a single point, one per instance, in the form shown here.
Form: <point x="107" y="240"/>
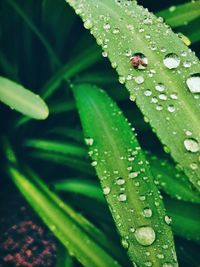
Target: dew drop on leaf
<point x="145" y="235"/>
<point x="125" y="243"/>
<point x="122" y="197"/>
<point x="120" y="181"/>
<point x="167" y="219"/>
<point x="171" y="61"/>
<point x="147" y="92"/>
<point x="191" y="145"/>
<point x="147" y="212"/>
<point x="89" y="141"/>
<point x="139" y="79"/>
<point x="160" y="87"/>
<point x="106" y="190"/>
<point x="171" y="108"/>
<point x="193" y="83"/>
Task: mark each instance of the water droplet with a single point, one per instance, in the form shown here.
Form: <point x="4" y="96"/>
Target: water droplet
<point x="145" y="235"/>
<point x="167" y="265"/>
<point x="125" y="243"/>
<point x="167" y="219"/>
<point x="122" y="197"/>
<point x="120" y="181"/>
<point x="193" y="83"/>
<point x="191" y="145"/>
<point x="171" y="61"/>
<point x="94" y="163"/>
<point x="89" y="141"/>
<point x="159" y="107"/>
<point x="148" y="263"/>
<point x="139" y="79"/>
<point x="139" y="61"/>
<point x="147" y="212"/>
<point x="187" y="64"/>
<point x="160" y="87"/>
<point x="104" y="54"/>
<point x="162" y="97"/>
<point x="171" y="108"/>
<point x="88" y="24"/>
<point x="115" y="31"/>
<point x="106" y="26"/>
<point x="106" y="190"/>
<point x="193" y="166"/>
<point x="132" y="229"/>
<point x="147" y="92"/>
<point x="133" y="174"/>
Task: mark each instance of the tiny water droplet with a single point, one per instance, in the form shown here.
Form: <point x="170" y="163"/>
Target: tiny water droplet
<point x="145" y="235"/>
<point x="171" y="61"/>
<point x="94" y="163"/>
<point x="139" y="61"/>
<point x="89" y="141"/>
<point x="106" y="190"/>
<point x="187" y="64"/>
<point x="125" y="243"/>
<point x="147" y="92"/>
<point x="167" y="219"/>
<point x="160" y="87"/>
<point x="88" y="24"/>
<point x="147" y="212"/>
<point x="193" y="166"/>
<point x="122" y="197"/>
<point x="120" y="181"/>
<point x="171" y="108"/>
<point x="191" y="145"/>
<point x="193" y="83"/>
<point x="167" y="265"/>
<point x="139" y="79"/>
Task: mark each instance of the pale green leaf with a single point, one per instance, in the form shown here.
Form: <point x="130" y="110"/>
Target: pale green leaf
<point x="17" y="97"/>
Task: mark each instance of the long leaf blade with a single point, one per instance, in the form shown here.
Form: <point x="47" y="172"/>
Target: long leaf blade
<point x="125" y="178"/>
<point x="159" y="78"/>
<point x="22" y="100"/>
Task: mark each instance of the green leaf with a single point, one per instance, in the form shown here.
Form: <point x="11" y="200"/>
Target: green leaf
<point x="125" y="177"/>
<point x="171" y="180"/>
<point x="185" y="218"/>
<point x="22" y="100"/>
<point x="36" y="31"/>
<point x="163" y="95"/>
<point x="80" y="186"/>
<point x="70" y="228"/>
<point x="181" y="14"/>
<point x="52" y="146"/>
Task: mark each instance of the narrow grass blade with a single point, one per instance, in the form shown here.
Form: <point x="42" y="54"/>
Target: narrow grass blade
<point x="68" y="161"/>
<point x="55" y="146"/>
<point x="60" y="107"/>
<point x="181" y="14"/>
<point x="185" y="219"/>
<point x="80" y="186"/>
<point x="152" y="62"/>
<point x="17" y="97"/>
<point x="62" y="221"/>
<point x="36" y="31"/>
<point x="171" y="180"/>
<point x="125" y="177"/>
<point x="66" y="132"/>
<point x="77" y="64"/>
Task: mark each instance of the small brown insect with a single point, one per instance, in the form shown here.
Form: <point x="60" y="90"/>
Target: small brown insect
<point x="139" y="61"/>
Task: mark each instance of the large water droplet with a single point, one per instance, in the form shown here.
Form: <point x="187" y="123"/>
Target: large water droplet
<point x="171" y="61"/>
<point x="191" y="145"/>
<point x="145" y="235"/>
<point x="139" y="61"/>
<point x="193" y="83"/>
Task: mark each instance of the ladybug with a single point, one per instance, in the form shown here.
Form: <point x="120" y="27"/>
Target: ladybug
<point x="139" y="61"/>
